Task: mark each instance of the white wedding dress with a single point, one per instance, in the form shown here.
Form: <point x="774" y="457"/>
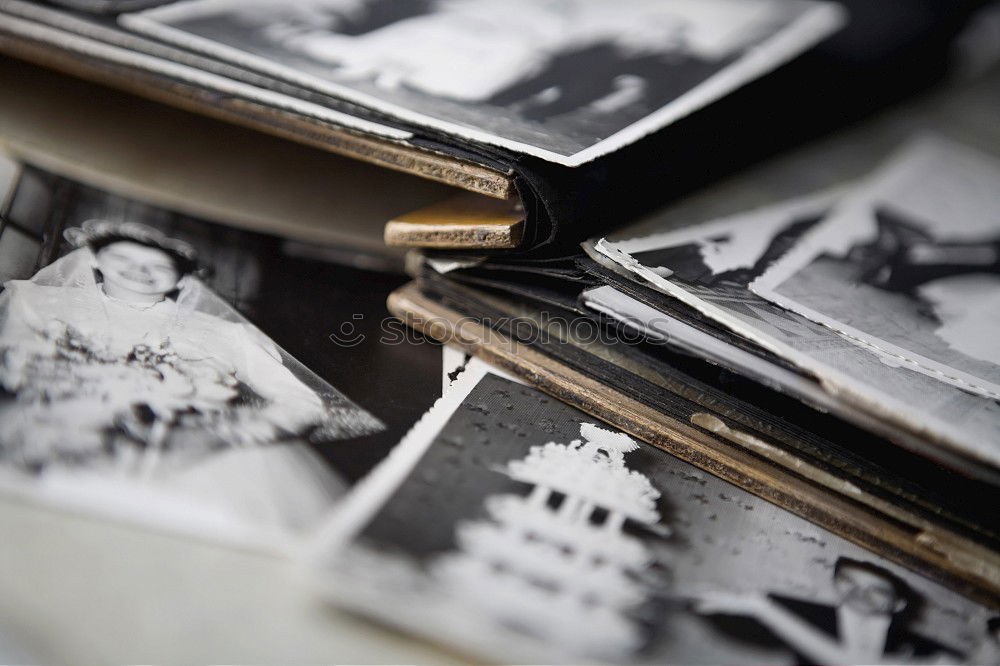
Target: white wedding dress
<point x="182" y="403"/>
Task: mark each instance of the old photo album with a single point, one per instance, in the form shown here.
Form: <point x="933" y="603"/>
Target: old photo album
<point x="479" y="94"/>
<point x="701" y="341"/>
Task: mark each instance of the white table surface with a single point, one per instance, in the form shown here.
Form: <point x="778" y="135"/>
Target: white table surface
<point x="77" y="590"/>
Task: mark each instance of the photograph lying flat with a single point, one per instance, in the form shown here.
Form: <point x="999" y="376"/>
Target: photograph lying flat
<point x="131" y="384"/>
<point x="517" y="528"/>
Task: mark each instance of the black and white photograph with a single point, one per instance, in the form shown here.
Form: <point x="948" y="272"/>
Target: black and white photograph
<point x="709" y="266"/>
<point x="500" y="331"/>
<point x="909" y="266"/>
<point x="518" y="529"/>
<point x="505" y="73"/>
<point x="131" y="384"/>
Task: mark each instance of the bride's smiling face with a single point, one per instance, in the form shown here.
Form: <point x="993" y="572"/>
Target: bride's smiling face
<point x="137" y="268"/>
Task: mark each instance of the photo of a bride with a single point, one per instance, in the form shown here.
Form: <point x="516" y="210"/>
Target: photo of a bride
<point x="121" y="369"/>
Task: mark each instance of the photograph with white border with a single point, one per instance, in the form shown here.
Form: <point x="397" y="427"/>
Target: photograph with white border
<point x="507" y="72"/>
<point x="909" y="266"/>
<point x="708" y="267"/>
<point x="513" y="527"/>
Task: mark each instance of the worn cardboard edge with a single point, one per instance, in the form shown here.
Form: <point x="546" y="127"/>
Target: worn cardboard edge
<point x="481" y="236"/>
<point x="408" y="159"/>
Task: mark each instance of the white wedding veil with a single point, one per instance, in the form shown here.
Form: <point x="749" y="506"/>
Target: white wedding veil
<point x="342" y="418"/>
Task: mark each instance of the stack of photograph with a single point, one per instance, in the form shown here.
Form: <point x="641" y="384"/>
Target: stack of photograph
<point x="521" y="331"/>
<point x="821" y="338"/>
